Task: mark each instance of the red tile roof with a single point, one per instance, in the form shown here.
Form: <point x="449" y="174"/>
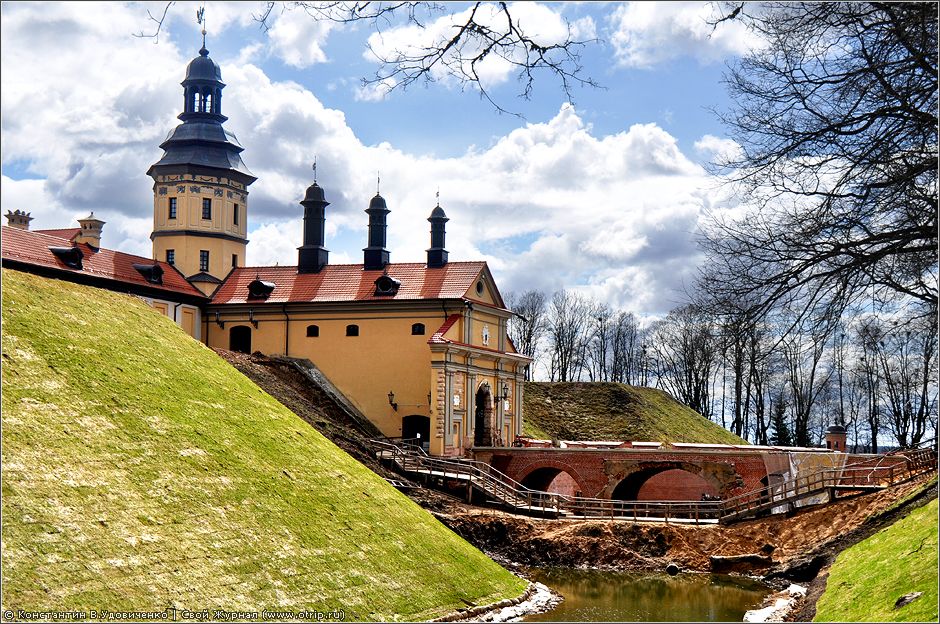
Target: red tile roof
<point x="32" y="248"/>
<point x="348" y="282"/>
<point x="66" y="233"/>
<point x="438" y="337"/>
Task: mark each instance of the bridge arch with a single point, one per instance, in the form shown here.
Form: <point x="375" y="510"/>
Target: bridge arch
<point x="552" y="476"/>
<point x="666" y="481"/>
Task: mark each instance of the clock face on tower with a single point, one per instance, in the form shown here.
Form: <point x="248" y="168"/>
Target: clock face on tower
<point x="486" y="335"/>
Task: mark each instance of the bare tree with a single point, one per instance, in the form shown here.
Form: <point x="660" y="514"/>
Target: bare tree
<point x="625" y="366"/>
<point x="686" y="351"/>
<point x="480" y="34"/>
<point x="600" y="354"/>
<point x="907" y="356"/>
<point x="836" y="118"/>
<point x="528" y="326"/>
<point x="567" y="331"/>
<point x="803" y="351"/>
<point x="869" y="338"/>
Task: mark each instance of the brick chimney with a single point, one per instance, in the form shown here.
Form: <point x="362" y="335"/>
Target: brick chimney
<point x="91" y="231"/>
<point x="18" y="219"/>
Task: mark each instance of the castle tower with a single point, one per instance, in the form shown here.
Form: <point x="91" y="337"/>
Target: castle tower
<point x="200" y="191"/>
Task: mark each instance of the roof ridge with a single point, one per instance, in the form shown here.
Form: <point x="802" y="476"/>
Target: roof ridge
<point x="353" y="264"/>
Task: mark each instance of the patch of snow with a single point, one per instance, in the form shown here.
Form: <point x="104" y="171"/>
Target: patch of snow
<point x="782" y="603"/>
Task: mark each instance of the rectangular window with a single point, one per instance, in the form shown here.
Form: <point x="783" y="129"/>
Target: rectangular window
<point x="172" y="208"/>
<point x="206" y="208"/>
<point x="170" y="256"/>
<point x="235" y="215"/>
<point x="203" y="260"/>
<point x="234" y="260"/>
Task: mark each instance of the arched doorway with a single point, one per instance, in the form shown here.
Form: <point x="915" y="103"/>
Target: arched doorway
<point x="418" y="428"/>
<point x="664" y="484"/>
<point x="239" y="339"/>
<point x="549" y="479"/>
<point x="483" y="417"/>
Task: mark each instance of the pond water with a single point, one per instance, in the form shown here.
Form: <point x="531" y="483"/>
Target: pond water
<point x="600" y="596"/>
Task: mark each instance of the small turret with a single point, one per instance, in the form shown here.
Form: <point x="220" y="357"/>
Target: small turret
<point x="313" y="256"/>
<point x="91" y="231"/>
<point x="18" y="219"/>
<point x="437" y="255"/>
<point x="376" y="256"/>
<point x="835" y="438"/>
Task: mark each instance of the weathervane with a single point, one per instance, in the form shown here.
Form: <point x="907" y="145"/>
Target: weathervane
<point x="378" y="181"/>
<point x="201" y="19"/>
<point x="438" y="196"/>
<point x="314" y="169"/>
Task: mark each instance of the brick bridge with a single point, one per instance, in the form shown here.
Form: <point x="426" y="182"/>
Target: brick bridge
<point x="667" y="472"/>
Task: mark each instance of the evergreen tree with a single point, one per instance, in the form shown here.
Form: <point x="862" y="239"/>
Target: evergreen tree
<point x="779" y="431"/>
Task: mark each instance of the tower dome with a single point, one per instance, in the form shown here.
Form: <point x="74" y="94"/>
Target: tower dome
<point x="203" y="68"/>
<point x="314" y="193"/>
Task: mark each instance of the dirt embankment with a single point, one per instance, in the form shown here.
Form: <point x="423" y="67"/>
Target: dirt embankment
<point x="797" y="546"/>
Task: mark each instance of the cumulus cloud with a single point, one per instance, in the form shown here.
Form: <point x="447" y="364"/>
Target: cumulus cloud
<point x="549" y="205"/>
<point x="718" y="149"/>
<point x="298" y="39"/>
<point x="645" y="34"/>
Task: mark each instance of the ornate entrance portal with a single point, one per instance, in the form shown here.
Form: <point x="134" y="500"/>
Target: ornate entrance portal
<point x="483" y="417"/>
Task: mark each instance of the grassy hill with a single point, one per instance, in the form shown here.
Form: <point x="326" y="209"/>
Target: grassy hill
<point x="867" y="579"/>
<point x="141" y="471"/>
<point x="612" y="411"/>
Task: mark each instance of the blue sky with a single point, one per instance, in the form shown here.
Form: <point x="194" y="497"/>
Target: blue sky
<point x="603" y="197"/>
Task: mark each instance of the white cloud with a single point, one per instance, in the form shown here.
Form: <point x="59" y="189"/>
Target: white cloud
<point x="298" y="39"/>
<point x="645" y="34"/>
<point x="374" y="91"/>
<point x="550" y="204"/>
<point x="718" y="149"/>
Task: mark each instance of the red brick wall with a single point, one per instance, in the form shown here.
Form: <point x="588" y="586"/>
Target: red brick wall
<point x="677" y="485"/>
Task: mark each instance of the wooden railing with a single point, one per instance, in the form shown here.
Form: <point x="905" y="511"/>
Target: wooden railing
<point x="867" y="475"/>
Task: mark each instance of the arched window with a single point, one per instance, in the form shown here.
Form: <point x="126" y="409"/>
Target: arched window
<point x="209" y="103"/>
<point x="313" y="331"/>
<point x="352" y="330"/>
<point x="417" y="329"/>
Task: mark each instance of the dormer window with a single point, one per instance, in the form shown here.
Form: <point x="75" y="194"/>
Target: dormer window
<point x="153" y="273"/>
<point x="260" y="289"/>
<point x="70" y="256"/>
<point x="386" y="286"/>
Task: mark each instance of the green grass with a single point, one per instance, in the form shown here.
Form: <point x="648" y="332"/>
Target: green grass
<point x="612" y="411"/>
<point x="141" y="471"/>
<point x="867" y="579"/>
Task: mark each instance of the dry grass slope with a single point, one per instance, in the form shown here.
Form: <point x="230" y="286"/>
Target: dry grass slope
<point x="141" y="471"/>
<point x="612" y="411"/>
